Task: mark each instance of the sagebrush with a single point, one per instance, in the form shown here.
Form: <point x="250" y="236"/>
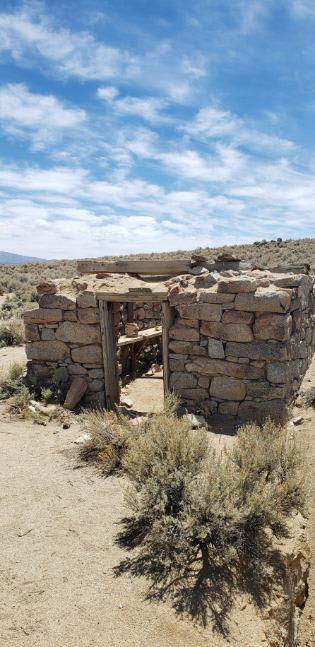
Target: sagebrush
<point x="189" y="502"/>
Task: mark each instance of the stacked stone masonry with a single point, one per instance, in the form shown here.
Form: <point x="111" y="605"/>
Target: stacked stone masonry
<point x="242" y="345"/>
<point x="239" y="345"/>
<point x="63" y="340"/>
<point x="146" y="315"/>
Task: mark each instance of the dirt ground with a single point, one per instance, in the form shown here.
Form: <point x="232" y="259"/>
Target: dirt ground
<point x="11" y="354"/>
<point x="146" y="393"/>
<point x="58" y="525"/>
<point x="306" y="435"/>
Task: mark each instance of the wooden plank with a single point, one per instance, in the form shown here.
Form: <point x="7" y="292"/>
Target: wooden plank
<point x="149" y="333"/>
<point x="220" y="266"/>
<point x="109" y="354"/>
<point x="304" y="268"/>
<point x="135" y="296"/>
<point x="153" y="267"/>
<point x="167" y="320"/>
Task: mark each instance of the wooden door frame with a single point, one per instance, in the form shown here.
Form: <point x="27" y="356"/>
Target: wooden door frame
<point x="111" y="378"/>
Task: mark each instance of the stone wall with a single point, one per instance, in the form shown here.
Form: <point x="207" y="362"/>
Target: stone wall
<point x="63" y="339"/>
<point x="241" y="343"/>
<point x="146" y="315"/>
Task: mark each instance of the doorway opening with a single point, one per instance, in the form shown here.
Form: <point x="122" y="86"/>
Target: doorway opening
<point x="135" y="354"/>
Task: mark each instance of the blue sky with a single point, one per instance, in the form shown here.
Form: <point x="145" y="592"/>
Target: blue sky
<point x="153" y="126"/>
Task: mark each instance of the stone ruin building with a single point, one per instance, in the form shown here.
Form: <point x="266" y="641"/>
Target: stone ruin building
<point x="233" y="339"/>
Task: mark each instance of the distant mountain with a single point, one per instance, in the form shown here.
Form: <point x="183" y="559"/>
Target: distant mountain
<point x="7" y="258"/>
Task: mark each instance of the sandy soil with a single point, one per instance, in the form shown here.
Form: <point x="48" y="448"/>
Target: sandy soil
<point x="146" y="393"/>
<point x="11" y="354"/>
<point x="57" y="587"/>
<point x="59" y="520"/>
<point x="306" y="435"/>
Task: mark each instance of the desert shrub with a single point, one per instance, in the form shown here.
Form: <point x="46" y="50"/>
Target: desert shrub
<point x="10" y="380"/>
<point x="309" y="397"/>
<point x="191" y="503"/>
<point x="13" y="389"/>
<point x="21" y="399"/>
<point x="108" y="437"/>
<point x="11" y="333"/>
<point x="47" y="394"/>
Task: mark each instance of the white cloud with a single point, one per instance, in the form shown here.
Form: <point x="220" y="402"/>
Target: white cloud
<point x="147" y="108"/>
<point x="213" y="123"/>
<point x="42" y="118"/>
<point x="224" y="164"/>
<point x="64" y="212"/>
<point x="71" y="54"/>
<point x="108" y="93"/>
<point x="61" y="180"/>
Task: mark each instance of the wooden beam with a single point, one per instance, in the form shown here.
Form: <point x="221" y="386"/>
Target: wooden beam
<point x="158" y="268"/>
<point x="136" y="296"/>
<point x="303" y="268"/>
<point x="149" y="333"/>
<point x="109" y="354"/>
<point x="167" y="320"/>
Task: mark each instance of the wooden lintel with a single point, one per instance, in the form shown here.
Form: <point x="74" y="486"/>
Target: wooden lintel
<point x="133" y="297"/>
<point x="154" y="268"/>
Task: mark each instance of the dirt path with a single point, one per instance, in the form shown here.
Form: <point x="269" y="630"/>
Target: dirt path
<point x="306" y="435"/>
<point x="58" y="551"/>
<point x="146" y="393"/>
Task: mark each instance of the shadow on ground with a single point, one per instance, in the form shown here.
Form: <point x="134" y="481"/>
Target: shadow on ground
<point x="205" y="589"/>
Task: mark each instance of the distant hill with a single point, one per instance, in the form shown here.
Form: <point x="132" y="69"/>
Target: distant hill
<point x="16" y="259"/>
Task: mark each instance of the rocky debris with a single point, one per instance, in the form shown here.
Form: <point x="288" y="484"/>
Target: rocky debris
<point x="131" y="329"/>
<point x="47" y="287"/>
<point x="298" y="420"/>
<point x="81" y="440"/>
<point x="46" y="410"/>
<point x="126" y="402"/>
<point x="227" y="258"/>
<point x="76" y="392"/>
<point x="196" y="422"/>
<point x="198" y="270"/>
